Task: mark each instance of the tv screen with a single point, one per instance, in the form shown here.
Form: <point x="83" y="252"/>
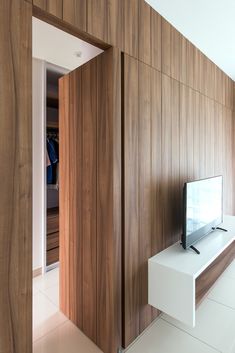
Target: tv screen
<point x="203" y="208"/>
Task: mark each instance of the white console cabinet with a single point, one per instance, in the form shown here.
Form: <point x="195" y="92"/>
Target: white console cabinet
<point x="172" y="273"/>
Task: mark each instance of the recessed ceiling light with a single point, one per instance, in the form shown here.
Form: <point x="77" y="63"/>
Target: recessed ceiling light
<point x="78" y="54"/>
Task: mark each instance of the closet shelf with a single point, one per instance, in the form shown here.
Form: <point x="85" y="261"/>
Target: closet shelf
<point x="52" y="125"/>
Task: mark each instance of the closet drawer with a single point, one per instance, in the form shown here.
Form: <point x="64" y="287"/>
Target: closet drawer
<point x="52" y="240"/>
<point x="52" y="256"/>
<point x="52" y="223"/>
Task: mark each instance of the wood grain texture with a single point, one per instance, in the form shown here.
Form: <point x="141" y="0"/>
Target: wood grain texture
<point x="76" y="245"/>
<point x="64" y="201"/>
<point x="90" y="223"/>
<point x="171" y="50"/>
<point x="183" y="60"/>
<point x="97" y="18"/>
<point x="194" y="141"/>
<point x="145" y="191"/>
<point x="208" y="278"/>
<point x="41" y="3"/>
<point x="16" y="177"/>
<point x="55" y="7"/>
<point x="74" y="12"/>
<point x="177" y="124"/>
<point x="170" y="160"/>
<point x="89" y="196"/>
<point x="109" y="201"/>
<point x="142" y="178"/>
<point x="131" y="27"/>
<point x="144" y="32"/>
<point x="131" y="201"/>
<point x="105" y="20"/>
<point x="156" y="40"/>
<point x="52" y="256"/>
<point x="149" y="36"/>
<point x="115" y="23"/>
<point x="156" y="160"/>
<point x="166" y="48"/>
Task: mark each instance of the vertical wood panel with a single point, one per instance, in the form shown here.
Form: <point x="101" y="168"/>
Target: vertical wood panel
<point x="105" y="20"/>
<point x="144" y="190"/>
<point x="131" y="168"/>
<point x="156" y="122"/>
<point x="40" y="3"/>
<point x="74" y="12"/>
<point x="197" y="82"/>
<point x="108" y="208"/>
<point x="190" y="64"/>
<point x="166" y="47"/>
<point x="218" y="139"/>
<point x="183" y="133"/>
<point x="131" y="27"/>
<point x="190" y="141"/>
<point x="196" y="136"/>
<point x="229" y="160"/>
<point x="170" y="158"/>
<point x="74" y="138"/>
<point x="97" y="18"/>
<point x="89" y="167"/>
<point x="183" y="61"/>
<point x="16" y="177"/>
<point x="55" y="7"/>
<point x="175" y="187"/>
<point x="202" y="128"/>
<point x="144" y="32"/>
<point x="166" y="160"/>
<point x="115" y="26"/>
<point x="175" y="54"/>
<point x="64" y="165"/>
<point x="156" y="40"/>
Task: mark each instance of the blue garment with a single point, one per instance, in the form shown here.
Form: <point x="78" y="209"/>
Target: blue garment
<point x="53" y="153"/>
<point x="49" y="175"/>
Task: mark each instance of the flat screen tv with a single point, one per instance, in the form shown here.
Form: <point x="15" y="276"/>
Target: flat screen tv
<point x="203" y="208"/>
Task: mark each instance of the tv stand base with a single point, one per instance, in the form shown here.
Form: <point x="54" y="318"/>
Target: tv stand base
<point x="173" y="273"/>
<point x="195" y="249"/>
<point x="219" y="228"/>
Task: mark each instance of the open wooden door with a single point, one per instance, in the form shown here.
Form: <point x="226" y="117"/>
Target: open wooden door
<point x="90" y="198"/>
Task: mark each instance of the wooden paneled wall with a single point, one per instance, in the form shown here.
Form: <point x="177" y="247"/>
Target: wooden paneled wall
<point x="172" y="134"/>
<point x="16" y="177"/>
<point x="90" y="198"/>
<point x="178" y="124"/>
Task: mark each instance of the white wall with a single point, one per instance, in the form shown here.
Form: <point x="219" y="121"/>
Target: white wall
<point x="39" y="210"/>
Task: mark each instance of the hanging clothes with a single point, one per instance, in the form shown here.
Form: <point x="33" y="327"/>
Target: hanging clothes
<point x="53" y="154"/>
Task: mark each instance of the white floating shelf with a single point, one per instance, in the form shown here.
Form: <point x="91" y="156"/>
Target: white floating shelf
<point x="172" y="273"/>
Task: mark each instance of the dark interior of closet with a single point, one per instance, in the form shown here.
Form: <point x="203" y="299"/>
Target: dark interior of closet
<point x="52" y="167"/>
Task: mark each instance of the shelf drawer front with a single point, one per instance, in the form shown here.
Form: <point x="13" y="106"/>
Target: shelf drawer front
<point x="52" y="256"/>
<point x="52" y="240"/>
<point x="52" y="223"/>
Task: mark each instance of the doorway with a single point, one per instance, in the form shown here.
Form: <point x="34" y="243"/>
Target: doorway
<point x="16" y="206"/>
<point x="55" y="54"/>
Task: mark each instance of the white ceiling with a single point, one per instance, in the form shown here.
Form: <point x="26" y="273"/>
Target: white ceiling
<point x="59" y="48"/>
<point x="208" y="24"/>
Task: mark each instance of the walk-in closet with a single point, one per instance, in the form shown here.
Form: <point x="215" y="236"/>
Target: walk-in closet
<point x="52" y="166"/>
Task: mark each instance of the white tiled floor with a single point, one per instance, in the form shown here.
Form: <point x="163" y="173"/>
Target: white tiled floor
<point x="214" y="331"/>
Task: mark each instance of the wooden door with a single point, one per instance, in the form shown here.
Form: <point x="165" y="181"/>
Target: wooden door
<point x="90" y="198"/>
